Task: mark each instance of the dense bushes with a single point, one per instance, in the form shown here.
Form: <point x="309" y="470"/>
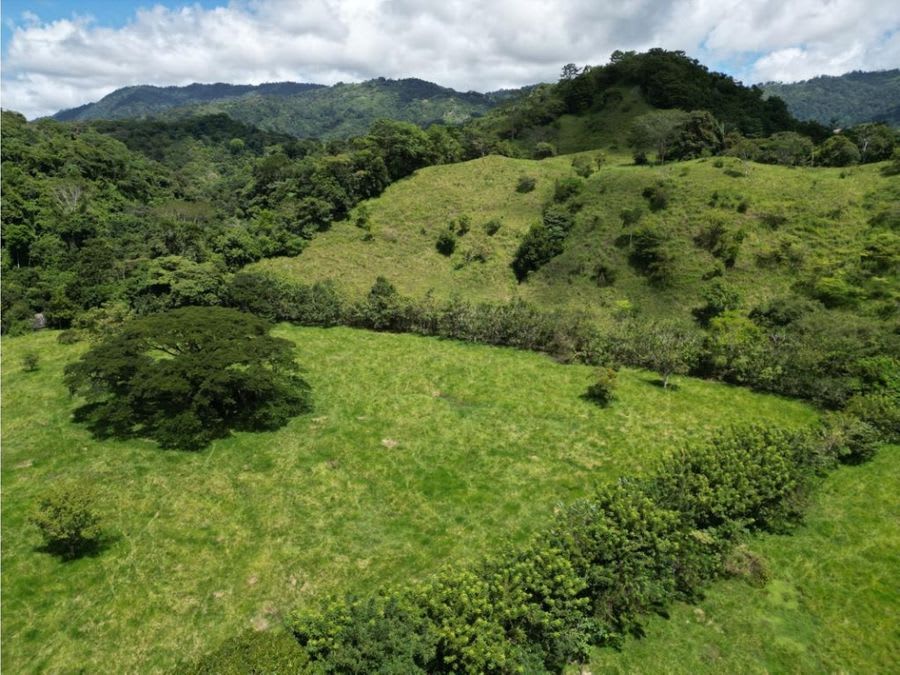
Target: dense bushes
<point x="590" y="578"/>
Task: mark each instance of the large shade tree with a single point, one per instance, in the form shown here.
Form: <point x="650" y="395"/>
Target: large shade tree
<point x="187" y="376"/>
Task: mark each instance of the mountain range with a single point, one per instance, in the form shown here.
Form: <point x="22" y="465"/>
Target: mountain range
<point x="300" y="109"/>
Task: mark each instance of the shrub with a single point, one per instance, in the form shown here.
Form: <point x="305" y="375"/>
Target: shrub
<point x="651" y="254"/>
<point x="253" y="652"/>
<point x="464" y="224"/>
<point x="583" y="166"/>
<point x="68" y="520"/>
<point x="543" y="150"/>
<point x="631" y="216"/>
<point x="719" y="297"/>
<point x="567" y="188"/>
<point x="838" y="151"/>
<point x="187" y="376"/>
<point x="492" y="226"/>
<point x="721" y="241"/>
<point x="542" y="242"/>
<point x="881" y="410"/>
<point x="446" y="243"/>
<point x="657" y="197"/>
<point x="68" y="337"/>
<point x="603" y="390"/>
<point x="526" y="184"/>
<point x="849" y="439"/>
<point x="604" y="273"/>
<point x="30" y="362"/>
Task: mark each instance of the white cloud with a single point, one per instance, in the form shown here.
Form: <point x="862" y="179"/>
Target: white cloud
<point x="464" y="44"/>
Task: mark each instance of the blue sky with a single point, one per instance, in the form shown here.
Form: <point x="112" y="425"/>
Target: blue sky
<point x="57" y="59"/>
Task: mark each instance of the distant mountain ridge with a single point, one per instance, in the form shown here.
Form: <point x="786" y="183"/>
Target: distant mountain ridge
<point x="299" y="109"/>
<point x="852" y="98"/>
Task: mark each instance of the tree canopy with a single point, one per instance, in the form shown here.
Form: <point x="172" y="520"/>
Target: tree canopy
<point x="187" y="376"/>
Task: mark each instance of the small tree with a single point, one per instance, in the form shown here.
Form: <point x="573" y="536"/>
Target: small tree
<point x="838" y="151"/>
<point x="657" y="131"/>
<point x="68" y="521"/>
<point x="30" y="362"/>
<point x="525" y="184"/>
<point x="668" y="348"/>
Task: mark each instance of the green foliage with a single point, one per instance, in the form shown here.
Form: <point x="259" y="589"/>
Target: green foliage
<point x="67" y="518"/>
<point x="657" y="131"/>
<point x="188" y="376"/>
<point x="849" y="439"/>
<point x="30" y="362"/>
<point x="603" y="390"/>
<point x="722" y="241"/>
<point x="446" y="243"/>
<point x="719" y="297"/>
<point x="273" y="652"/>
<point x="603" y="564"/>
<point x="492" y="227"/>
<point x="787" y="148"/>
<point x="543" y="150"/>
<point x="566" y="189"/>
<point x="526" y="184"/>
<point x="657" y="197"/>
<point x="838" y="151"/>
<point x="543" y="241"/>
<point x="652" y="255"/>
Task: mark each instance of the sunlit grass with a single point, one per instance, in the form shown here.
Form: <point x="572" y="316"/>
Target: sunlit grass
<point x="419" y="453"/>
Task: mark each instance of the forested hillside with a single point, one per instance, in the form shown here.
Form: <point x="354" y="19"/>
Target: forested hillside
<point x="301" y="110"/>
<point x="845" y="100"/>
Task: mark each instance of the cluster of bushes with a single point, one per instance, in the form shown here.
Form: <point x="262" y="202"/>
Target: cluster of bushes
<point x="544" y="241"/>
<point x="862" y="144"/>
<point x="590" y="578"/>
<point x="790" y="346"/>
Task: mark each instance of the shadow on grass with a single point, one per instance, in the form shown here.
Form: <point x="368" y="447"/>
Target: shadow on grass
<point x="89" y="549"/>
<point x="660" y="383"/>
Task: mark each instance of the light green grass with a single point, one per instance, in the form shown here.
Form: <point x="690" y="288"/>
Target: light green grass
<point x="830" y="607"/>
<point x="419" y="453"/>
<point x="827" y="231"/>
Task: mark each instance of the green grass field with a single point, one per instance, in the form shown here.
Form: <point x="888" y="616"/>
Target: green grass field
<point x="817" y="238"/>
<point x="419" y="453"/>
<point x="830" y="606"/>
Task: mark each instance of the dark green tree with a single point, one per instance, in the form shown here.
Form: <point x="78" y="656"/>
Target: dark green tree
<point x="188" y="376"/>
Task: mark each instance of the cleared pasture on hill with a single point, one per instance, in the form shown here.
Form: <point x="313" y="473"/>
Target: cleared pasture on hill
<point x="829" y="607"/>
<point x="789" y="236"/>
<point x="419" y="453"/>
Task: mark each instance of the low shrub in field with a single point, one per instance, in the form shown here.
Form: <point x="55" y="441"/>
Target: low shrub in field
<point x="30" y="362"/>
<point x="68" y="521"/>
<point x="446" y="243"/>
<point x="526" y="184"/>
<point x="603" y="390"/>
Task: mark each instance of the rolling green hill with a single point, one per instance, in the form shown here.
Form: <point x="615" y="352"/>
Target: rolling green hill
<point x="788" y="243"/>
<point x="301" y="110"/>
<point x="419" y="453"/>
<point x="845" y="100"/>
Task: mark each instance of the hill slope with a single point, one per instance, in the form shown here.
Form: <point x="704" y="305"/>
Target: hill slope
<point x="848" y="99"/>
<point x="302" y="110"/>
<point x="788" y="241"/>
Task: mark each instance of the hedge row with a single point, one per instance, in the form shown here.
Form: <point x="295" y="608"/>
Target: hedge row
<point x="604" y="564"/>
<point x="808" y="354"/>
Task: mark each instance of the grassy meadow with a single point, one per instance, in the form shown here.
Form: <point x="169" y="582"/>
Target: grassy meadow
<point x="789" y="238"/>
<point x="829" y="607"/>
<point x="419" y="453"/>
